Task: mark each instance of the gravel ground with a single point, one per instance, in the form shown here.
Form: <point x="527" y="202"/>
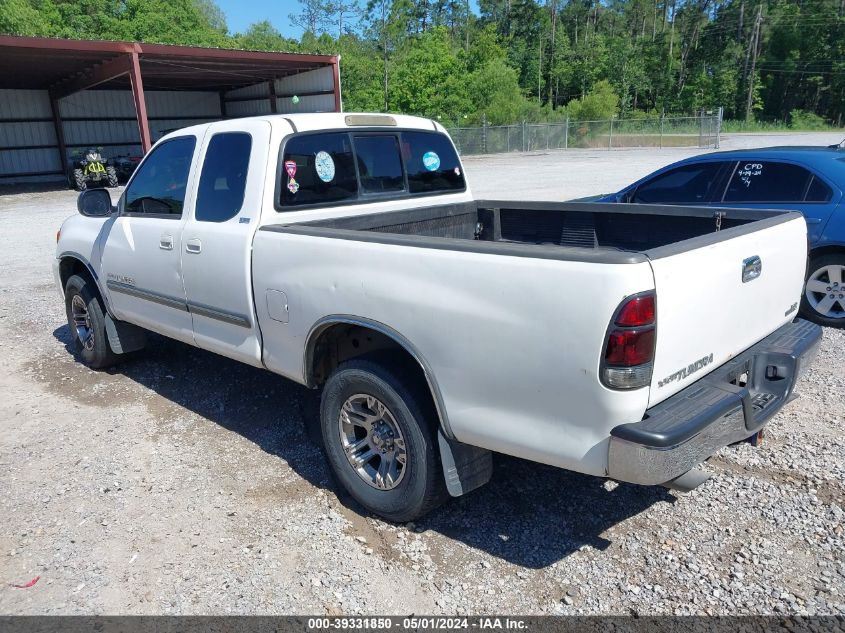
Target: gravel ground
<point x="181" y="482"/>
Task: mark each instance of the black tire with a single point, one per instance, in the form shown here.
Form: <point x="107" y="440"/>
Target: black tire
<point x="421" y="487"/>
<point x="79" y="180"/>
<point x="808" y="311"/>
<point x="95" y="350"/>
<point x="112" y="176"/>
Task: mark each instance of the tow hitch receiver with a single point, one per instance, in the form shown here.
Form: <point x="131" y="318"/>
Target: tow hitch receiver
<point x="756" y="439"/>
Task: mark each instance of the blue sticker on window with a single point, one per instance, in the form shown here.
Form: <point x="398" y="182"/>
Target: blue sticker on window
<point x="431" y="161"/>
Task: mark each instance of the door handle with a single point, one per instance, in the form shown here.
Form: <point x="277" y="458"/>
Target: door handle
<point x="193" y="246"/>
<point x="165" y="242"/>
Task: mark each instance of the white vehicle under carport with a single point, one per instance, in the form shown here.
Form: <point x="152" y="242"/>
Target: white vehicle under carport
<point x="346" y="253"/>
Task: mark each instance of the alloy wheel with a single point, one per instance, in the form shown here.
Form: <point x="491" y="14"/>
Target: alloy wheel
<point x="82" y="322"/>
<point x="372" y="441"/>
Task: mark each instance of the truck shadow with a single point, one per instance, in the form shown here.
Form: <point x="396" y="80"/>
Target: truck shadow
<point x="529" y="514"/>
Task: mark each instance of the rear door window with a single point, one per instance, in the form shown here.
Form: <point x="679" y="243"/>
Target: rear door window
<point x="223" y="179"/>
<point x="767" y="181"/>
<point x="431" y="163"/>
<point x="688" y="184"/>
<point x="317" y="168"/>
<point x="379" y="165"/>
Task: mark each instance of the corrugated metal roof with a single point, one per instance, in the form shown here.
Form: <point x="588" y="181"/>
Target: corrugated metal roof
<point x="36" y="62"/>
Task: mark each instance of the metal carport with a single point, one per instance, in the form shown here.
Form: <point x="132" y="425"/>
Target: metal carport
<point x="57" y="95"/>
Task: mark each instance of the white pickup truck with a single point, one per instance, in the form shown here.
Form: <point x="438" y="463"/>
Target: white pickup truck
<point x="346" y="253"/>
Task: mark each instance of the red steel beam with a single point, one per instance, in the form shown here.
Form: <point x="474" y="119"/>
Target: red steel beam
<point x="229" y="54"/>
<point x="60" y="132"/>
<point x="56" y="44"/>
<point x="274" y="102"/>
<point x="338" y="104"/>
<point x="140" y="103"/>
<point x="95" y="76"/>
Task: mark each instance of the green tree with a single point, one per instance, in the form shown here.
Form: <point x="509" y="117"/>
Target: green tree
<point x="495" y="94"/>
<point x="361" y="79"/>
<point x="168" y="22"/>
<point x="428" y="79"/>
<point x="22" y="17"/>
<point x="519" y="59"/>
<point x="598" y="104"/>
<point x="263" y="36"/>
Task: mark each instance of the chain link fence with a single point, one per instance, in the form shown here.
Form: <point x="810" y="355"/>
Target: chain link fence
<point x="702" y="131"/>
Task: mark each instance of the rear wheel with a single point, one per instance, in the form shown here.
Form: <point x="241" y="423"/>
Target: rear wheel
<point x="380" y="439"/>
<point x="824" y="293"/>
<point x="87" y="323"/>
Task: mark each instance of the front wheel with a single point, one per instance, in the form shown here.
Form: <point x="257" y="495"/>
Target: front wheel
<point x="824" y="294"/>
<point x="380" y="440"/>
<point x="79" y="182"/>
<point x="87" y="323"/>
<point x="111" y="174"/>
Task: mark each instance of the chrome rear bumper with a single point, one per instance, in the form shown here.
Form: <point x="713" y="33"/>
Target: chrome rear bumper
<point x="728" y="405"/>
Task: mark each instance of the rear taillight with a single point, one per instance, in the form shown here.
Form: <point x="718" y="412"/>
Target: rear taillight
<point x="636" y="312"/>
<point x="629" y="349"/>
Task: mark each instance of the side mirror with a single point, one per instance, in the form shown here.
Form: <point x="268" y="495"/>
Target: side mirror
<point x="94" y="203"/>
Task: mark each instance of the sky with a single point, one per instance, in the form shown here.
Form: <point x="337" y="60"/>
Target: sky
<point x="241" y="13"/>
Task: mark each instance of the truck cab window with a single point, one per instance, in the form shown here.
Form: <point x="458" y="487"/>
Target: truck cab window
<point x="688" y="184"/>
<point x="317" y="168"/>
<point x="223" y="179"/>
<point x="431" y="163"/>
<point x="379" y="165"/>
<point x="159" y="185"/>
<point x="767" y="181"/>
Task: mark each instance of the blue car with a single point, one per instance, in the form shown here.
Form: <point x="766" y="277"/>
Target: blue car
<point x="806" y="179"/>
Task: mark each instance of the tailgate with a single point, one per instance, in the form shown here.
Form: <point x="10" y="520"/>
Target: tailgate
<point x="706" y="313"/>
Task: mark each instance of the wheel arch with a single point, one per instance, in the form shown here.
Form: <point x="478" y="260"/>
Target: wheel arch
<point x="337" y="338"/>
<point x="71" y="263"/>
<point x="827" y="249"/>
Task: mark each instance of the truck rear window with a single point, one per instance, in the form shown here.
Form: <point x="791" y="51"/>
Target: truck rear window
<point x="339" y="167"/>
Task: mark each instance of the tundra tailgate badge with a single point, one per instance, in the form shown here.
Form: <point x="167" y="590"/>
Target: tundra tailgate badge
<point x="686" y="371"/>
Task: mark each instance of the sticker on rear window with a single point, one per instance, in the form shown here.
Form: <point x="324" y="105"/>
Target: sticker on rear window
<point x="293" y="186"/>
<point x="324" y="164"/>
<point x="431" y="161"/>
<point x="290" y="168"/>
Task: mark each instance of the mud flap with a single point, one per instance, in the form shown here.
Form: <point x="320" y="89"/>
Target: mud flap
<point x="124" y="337"/>
<point x="689" y="481"/>
<point x="465" y="467"/>
<point x="309" y="408"/>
